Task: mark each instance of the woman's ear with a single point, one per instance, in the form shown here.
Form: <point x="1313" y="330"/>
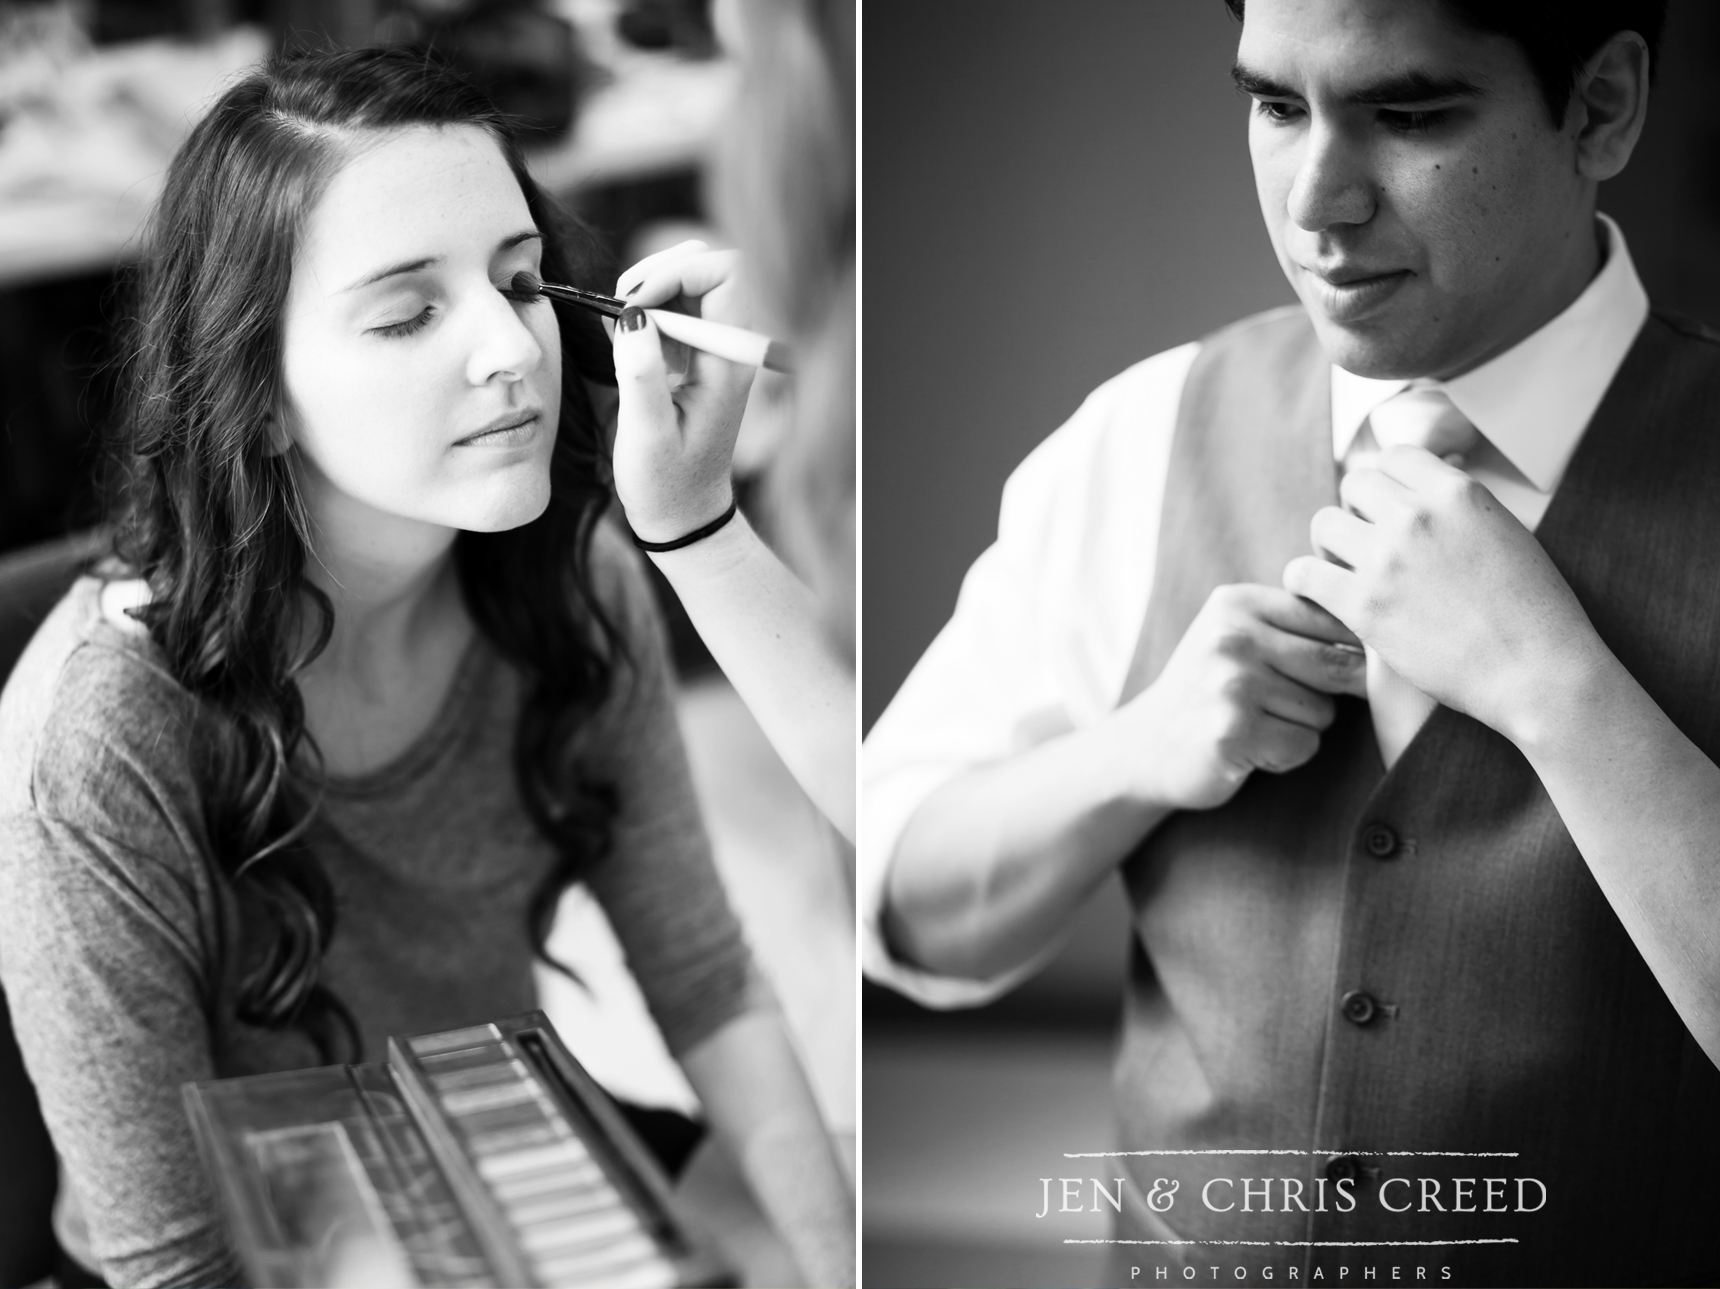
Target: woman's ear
<point x="278" y="440"/>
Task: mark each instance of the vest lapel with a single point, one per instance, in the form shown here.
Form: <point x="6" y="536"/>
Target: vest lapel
<point x="1239" y="501"/>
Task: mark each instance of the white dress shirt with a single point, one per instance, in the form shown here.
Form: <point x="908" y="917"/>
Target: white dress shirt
<point x="1049" y="615"/>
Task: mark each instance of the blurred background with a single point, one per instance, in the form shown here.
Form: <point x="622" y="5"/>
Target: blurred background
<point x="1053" y="192"/>
<point x="621" y="100"/>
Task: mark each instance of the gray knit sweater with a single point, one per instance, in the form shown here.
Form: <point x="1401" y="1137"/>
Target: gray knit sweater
<point x="118" y="936"/>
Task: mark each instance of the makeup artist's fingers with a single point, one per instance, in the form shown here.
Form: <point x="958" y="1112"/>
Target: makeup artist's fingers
<point x="700" y="282"/>
<point x="642" y="377"/>
<point x="647" y="281"/>
<point x="694" y="274"/>
<point x="691" y="246"/>
<point x="673" y="451"/>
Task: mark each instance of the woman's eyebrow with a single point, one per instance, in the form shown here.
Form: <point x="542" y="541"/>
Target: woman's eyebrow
<point x="508" y="243"/>
<point x="393" y="270"/>
<point x="412" y="266"/>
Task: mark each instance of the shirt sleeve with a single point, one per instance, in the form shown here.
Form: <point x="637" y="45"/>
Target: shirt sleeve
<point x="1041" y="637"/>
<point x="103" y="951"/>
<point x="659" y="885"/>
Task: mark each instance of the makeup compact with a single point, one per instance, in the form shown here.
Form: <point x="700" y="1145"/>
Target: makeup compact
<point x="477" y="1156"/>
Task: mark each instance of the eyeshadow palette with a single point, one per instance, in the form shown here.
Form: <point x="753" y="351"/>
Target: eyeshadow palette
<point x="478" y="1156"/>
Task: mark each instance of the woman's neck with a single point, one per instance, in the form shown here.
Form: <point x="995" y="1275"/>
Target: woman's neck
<point x="391" y="582"/>
<point x="400" y="629"/>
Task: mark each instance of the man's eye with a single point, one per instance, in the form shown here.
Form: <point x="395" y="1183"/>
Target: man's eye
<point x="1277" y="112"/>
<point x="408" y="327"/>
<point x="1412" y="122"/>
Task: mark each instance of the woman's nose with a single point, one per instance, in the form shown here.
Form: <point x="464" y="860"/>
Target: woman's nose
<point x="504" y="347"/>
<point x="1333" y="182"/>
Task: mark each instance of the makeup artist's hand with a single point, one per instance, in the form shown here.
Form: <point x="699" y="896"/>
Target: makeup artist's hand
<point x="1450" y="588"/>
<point x="673" y="444"/>
<point x="1247" y="688"/>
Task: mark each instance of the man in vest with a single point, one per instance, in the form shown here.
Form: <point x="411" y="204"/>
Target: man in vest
<point x="1377" y="643"/>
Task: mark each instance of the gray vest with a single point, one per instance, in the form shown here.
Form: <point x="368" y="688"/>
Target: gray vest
<point x="1349" y="961"/>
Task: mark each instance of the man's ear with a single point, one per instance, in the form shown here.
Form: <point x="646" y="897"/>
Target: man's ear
<point x="1609" y="105"/>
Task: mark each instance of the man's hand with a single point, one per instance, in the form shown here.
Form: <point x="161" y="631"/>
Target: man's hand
<point x="674" y="443"/>
<point x="1247" y="688"/>
<point x="1427" y="567"/>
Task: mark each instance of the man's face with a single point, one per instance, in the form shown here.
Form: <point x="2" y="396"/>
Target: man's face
<point x="1420" y="200"/>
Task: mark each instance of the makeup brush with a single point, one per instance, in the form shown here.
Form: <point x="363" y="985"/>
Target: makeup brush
<point x="733" y="343"/>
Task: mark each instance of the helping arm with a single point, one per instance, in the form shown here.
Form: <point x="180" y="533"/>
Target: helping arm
<point x="672" y="460"/>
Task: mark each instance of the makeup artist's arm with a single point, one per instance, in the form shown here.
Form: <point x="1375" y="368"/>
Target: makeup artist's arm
<point x="760" y="622"/>
<point x="760" y="1107"/>
<point x="661" y="892"/>
<point x="1463" y="602"/>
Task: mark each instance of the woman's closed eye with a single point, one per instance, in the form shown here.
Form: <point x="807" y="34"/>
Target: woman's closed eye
<point x="406" y="327"/>
<point x="420" y="320"/>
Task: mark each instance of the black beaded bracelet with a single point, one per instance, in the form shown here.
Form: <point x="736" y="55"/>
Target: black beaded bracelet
<point x="687" y="539"/>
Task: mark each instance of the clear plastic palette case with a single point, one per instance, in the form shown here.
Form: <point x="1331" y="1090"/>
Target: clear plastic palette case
<point x="478" y="1156"/>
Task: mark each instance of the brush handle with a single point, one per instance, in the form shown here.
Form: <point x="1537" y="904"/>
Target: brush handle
<point x="733" y="343"/>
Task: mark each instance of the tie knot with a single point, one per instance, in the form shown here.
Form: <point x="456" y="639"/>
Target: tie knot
<point x="1423" y="418"/>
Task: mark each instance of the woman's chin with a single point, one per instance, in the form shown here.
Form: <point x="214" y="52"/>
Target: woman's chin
<point x="510" y="507"/>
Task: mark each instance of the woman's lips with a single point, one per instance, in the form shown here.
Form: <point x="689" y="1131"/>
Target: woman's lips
<point x="514" y="434"/>
<point x="1357" y="297"/>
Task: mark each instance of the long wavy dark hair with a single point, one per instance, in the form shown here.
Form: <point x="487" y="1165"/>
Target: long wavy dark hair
<point x="214" y="522"/>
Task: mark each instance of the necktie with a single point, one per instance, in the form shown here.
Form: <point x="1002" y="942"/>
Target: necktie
<point x="1423" y="418"/>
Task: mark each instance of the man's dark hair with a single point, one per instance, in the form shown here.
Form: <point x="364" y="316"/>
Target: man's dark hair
<point x="1557" y="36"/>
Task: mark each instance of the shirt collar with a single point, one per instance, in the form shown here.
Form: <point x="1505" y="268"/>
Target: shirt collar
<point x="1534" y="400"/>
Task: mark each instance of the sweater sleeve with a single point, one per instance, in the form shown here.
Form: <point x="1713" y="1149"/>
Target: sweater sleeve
<point x="659" y="885"/>
<point x="104" y="938"/>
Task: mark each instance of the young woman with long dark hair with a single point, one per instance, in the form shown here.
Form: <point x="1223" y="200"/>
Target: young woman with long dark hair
<point x="368" y="682"/>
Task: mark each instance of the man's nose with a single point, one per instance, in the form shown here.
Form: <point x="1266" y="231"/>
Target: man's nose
<point x="1334" y="183"/>
<point x="503" y="346"/>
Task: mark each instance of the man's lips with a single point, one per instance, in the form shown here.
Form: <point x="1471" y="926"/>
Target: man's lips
<point x="1349" y="294"/>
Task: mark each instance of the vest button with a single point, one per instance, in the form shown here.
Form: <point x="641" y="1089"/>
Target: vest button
<point x="1358" y="1008"/>
<point x="1380" y="841"/>
<point x="1345" y="1168"/>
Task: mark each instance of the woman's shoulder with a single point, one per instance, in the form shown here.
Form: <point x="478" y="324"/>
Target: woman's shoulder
<point x="90" y="714"/>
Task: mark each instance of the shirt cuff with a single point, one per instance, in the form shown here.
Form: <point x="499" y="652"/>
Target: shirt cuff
<point x="890" y="802"/>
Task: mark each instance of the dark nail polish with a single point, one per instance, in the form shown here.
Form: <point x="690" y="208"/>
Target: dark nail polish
<point x="631" y="319"/>
<point x="635" y="287"/>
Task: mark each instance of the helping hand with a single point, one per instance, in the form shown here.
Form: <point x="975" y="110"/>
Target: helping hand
<point x="1246" y="688"/>
<point x="1446" y="584"/>
<point x="673" y="446"/>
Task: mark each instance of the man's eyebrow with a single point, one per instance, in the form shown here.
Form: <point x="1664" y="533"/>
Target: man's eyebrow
<point x="413" y="266"/>
<point x="1250" y="81"/>
<point x="1404" y="88"/>
<point x="1413" y="87"/>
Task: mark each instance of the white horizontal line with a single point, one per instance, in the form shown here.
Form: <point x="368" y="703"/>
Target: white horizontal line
<point x="1310" y="1244"/>
<point x="1458" y="1154"/>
